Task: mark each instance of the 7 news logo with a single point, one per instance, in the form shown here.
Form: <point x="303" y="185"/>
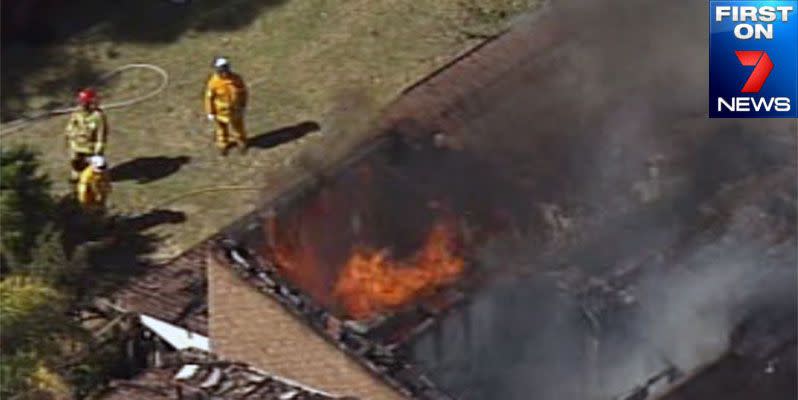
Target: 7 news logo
<point x="753" y="59"/>
<point x="762" y="67"/>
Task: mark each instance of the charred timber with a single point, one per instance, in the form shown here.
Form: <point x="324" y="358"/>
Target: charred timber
<point x="380" y="360"/>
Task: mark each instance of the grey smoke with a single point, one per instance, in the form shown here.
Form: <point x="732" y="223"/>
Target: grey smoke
<point x="578" y="125"/>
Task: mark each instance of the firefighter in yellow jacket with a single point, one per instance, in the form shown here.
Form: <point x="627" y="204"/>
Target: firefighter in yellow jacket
<point x="86" y="132"/>
<point x="225" y="102"/>
<point x="94" y="185"/>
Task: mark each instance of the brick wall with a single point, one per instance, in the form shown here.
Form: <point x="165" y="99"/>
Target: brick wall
<point x="249" y="326"/>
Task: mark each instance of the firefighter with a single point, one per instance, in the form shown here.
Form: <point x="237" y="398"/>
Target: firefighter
<point x="225" y="102"/>
<point x="94" y="185"/>
<point x="86" y="132"/>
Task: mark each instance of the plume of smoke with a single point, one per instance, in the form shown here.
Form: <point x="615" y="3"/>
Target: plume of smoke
<point x="592" y="111"/>
<point x="690" y="308"/>
<point x="608" y="103"/>
<point x="347" y="124"/>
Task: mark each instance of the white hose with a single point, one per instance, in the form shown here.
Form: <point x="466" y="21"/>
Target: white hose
<point x="19" y="124"/>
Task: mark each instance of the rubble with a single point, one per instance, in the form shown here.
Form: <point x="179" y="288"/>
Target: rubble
<point x="195" y="374"/>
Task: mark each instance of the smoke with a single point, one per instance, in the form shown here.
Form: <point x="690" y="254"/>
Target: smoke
<point x="690" y="305"/>
<point x="579" y="128"/>
<point x="646" y="231"/>
<point x="587" y="116"/>
<point x="530" y="337"/>
<point x="654" y="50"/>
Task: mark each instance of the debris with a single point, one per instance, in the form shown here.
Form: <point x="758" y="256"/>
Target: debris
<point x="188" y="371"/>
<point x="213" y="379"/>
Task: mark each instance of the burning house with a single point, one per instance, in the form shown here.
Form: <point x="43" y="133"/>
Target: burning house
<point x="534" y="221"/>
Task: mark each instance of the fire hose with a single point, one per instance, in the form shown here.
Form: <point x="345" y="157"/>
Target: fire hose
<point x="192" y="193"/>
<point x="19" y="124"/>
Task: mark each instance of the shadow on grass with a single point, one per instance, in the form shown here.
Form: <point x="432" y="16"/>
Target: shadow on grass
<point x="147" y="169"/>
<point x="113" y="249"/>
<point x="34" y="30"/>
<point x="283" y="135"/>
<point x="53" y="22"/>
<point x="24" y="92"/>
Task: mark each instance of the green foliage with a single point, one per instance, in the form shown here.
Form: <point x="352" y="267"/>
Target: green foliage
<point x="34" y="325"/>
<point x="33" y="314"/>
<point x="32" y="308"/>
<point x="50" y="262"/>
<point x="97" y="369"/>
<point x="44" y="273"/>
<point x="25" y="204"/>
<point x="23" y="376"/>
<point x="15" y="371"/>
<point x="48" y="257"/>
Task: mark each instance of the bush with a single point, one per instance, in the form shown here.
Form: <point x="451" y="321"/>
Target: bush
<point x="34" y="325"/>
<point x="25" y="205"/>
<point x="46" y="248"/>
<point x="23" y="377"/>
<point x="33" y="314"/>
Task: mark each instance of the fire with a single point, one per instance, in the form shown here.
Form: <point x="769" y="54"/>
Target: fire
<point x="371" y="281"/>
<point x="299" y="261"/>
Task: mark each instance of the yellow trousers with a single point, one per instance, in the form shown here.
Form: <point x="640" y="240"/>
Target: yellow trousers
<point x="230" y="131"/>
<point x="78" y="161"/>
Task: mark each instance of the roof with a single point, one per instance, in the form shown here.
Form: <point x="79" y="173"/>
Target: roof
<point x="233" y="380"/>
<point x="150" y="384"/>
<point x="203" y="375"/>
<point x="735" y="377"/>
<point x="175" y="292"/>
<point x="248" y="326"/>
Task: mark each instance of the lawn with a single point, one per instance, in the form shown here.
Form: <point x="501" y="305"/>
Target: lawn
<point x="330" y="63"/>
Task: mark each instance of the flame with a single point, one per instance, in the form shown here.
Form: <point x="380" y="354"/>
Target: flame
<point x="371" y="281"/>
<point x="298" y="262"/>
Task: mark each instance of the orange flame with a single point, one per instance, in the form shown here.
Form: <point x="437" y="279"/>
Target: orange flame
<point x="371" y="281"/>
<point x="300" y="263"/>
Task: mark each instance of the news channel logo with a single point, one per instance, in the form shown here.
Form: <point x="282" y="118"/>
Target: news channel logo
<point x="753" y="59"/>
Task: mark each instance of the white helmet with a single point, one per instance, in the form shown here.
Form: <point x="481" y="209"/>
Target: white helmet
<point x="221" y="63"/>
<point x="98" y="163"/>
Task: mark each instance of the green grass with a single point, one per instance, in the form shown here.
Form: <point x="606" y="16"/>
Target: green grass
<point x="334" y="62"/>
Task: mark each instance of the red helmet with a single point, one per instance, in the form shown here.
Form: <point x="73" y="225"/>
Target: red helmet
<point x="87" y="96"/>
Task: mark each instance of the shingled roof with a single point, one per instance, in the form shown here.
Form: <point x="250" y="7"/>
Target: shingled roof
<point x="203" y="375"/>
<point x="739" y="377"/>
<point x="151" y="384"/>
<point x="175" y="292"/>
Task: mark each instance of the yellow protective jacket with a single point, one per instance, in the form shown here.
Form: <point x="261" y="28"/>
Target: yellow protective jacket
<point x="93" y="188"/>
<point x="225" y="96"/>
<point x="87" y="131"/>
